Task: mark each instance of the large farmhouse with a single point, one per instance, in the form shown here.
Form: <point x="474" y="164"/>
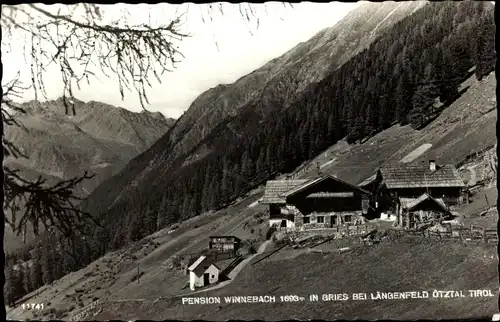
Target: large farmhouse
<point x="324" y="202"/>
<point x="394" y="186"/>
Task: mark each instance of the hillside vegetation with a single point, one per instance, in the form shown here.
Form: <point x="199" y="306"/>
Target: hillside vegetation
<point x="421" y="58"/>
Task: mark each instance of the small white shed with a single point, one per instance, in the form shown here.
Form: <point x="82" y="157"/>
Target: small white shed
<point x="203" y="272"/>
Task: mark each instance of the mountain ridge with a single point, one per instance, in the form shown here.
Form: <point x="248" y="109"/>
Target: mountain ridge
<point x="100" y="138"/>
<point x="261" y="90"/>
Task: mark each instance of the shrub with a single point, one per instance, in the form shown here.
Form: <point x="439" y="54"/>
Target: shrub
<point x="270" y="232"/>
<point x="136" y="276"/>
<point x="252" y="250"/>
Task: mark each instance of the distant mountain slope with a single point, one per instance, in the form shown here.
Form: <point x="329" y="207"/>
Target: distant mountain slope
<point x="100" y="139"/>
<point x="270" y="87"/>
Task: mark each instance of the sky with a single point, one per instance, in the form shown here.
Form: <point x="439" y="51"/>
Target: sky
<point x="217" y="52"/>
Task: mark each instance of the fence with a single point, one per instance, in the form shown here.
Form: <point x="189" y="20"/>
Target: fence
<point x="231" y="266"/>
<point x="85" y="312"/>
<point x="347" y="230"/>
<point x="472" y="233"/>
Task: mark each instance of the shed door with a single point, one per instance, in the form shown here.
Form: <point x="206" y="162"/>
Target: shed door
<point x="206" y="279"/>
<point x="283" y="223"/>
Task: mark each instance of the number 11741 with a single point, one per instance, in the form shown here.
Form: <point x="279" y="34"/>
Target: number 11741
<point x="32" y="306"/>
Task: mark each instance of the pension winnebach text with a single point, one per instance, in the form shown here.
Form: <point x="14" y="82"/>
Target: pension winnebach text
<point x="229" y="299"/>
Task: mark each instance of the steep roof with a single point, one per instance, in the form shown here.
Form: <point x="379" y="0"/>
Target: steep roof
<point x="420" y="176"/>
<point x="275" y="188"/>
<point x="278" y="190"/>
<point x="410" y="203"/>
<point x="318" y="180"/>
<point x="368" y="180"/>
<point x="197" y="263"/>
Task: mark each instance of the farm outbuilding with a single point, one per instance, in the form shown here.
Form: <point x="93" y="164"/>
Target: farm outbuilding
<point x="324" y="202"/>
<point x="393" y="182"/>
<point x="422" y="210"/>
<point x="224" y="243"/>
<point x="203" y="272"/>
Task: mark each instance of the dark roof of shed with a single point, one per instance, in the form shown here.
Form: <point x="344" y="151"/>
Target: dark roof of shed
<point x="275" y="188"/>
<point x="420" y="176"/>
<point x="225" y="237"/>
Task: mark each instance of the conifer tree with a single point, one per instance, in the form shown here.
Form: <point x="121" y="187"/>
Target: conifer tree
<point x="10" y="287"/>
<point x="37" y="275"/>
<point x="424" y="97"/>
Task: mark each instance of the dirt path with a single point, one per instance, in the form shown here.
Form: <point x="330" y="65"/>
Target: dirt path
<point x="235" y="271"/>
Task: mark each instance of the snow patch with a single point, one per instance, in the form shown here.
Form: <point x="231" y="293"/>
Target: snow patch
<point x="378" y="25"/>
<point x="101" y="165"/>
<point x="255" y="203"/>
<point x="327" y="163"/>
<point x="416" y="153"/>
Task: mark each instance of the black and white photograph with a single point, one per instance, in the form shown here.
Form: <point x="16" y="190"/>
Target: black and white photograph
<point x="250" y="161"/>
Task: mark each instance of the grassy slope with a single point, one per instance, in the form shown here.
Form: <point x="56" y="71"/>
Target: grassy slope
<point x="111" y="276"/>
<point x="406" y="264"/>
<point x="354" y="163"/>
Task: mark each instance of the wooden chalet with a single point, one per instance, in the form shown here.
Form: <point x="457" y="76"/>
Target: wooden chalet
<point x="324" y="202"/>
<point x="391" y="183"/>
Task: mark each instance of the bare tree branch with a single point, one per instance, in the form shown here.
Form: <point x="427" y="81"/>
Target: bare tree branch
<point x="82" y="46"/>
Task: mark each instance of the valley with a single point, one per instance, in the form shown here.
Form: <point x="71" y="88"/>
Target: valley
<point x="360" y="161"/>
<point x="111" y="278"/>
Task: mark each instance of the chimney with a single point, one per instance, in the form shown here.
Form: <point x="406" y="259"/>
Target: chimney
<point x="432" y="165"/>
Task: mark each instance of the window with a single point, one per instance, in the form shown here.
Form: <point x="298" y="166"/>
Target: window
<point x="213" y="276"/>
<point x="334" y="220"/>
<point x="307" y="220"/>
<point x="320" y="219"/>
<point x="347" y="218"/>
